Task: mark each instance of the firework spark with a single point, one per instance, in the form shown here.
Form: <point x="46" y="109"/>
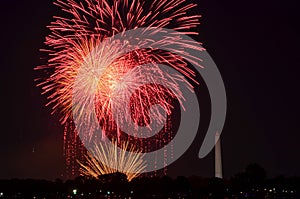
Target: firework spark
<point x="95" y="163"/>
<point x="89" y="23"/>
<point x="86" y="25"/>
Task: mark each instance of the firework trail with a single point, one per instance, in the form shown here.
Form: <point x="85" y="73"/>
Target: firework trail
<point x="95" y="163"/>
<point x="82" y="28"/>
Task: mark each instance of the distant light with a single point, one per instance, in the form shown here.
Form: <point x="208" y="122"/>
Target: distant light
<point x="270" y="190"/>
<point x="74" y="191"/>
<point x="131" y="192"/>
<point x="108" y="192"/>
<point x="1" y="194"/>
<point x="292" y="192"/>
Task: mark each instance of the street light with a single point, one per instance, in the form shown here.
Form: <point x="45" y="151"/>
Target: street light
<point x="75" y="191"/>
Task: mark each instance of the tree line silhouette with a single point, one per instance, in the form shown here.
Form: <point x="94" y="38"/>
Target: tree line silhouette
<point x="251" y="183"/>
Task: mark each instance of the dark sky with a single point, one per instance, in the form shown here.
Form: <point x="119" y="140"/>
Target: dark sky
<point x="255" y="45"/>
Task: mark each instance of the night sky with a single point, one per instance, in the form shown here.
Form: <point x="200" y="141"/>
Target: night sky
<point x="255" y="45"/>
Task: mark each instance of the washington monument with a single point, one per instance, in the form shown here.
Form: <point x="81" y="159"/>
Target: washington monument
<point x="218" y="158"/>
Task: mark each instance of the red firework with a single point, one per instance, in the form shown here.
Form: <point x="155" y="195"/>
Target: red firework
<point x="79" y="31"/>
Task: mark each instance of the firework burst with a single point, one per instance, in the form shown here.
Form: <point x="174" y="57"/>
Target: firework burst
<point x="78" y="34"/>
<point x="88" y="24"/>
<point x="96" y="161"/>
